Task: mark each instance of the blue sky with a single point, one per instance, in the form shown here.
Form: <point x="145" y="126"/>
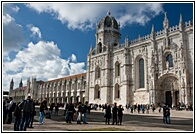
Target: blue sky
<point x="52" y="40"/>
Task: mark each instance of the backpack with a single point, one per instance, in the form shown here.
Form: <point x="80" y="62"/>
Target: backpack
<point x="13" y="107"/>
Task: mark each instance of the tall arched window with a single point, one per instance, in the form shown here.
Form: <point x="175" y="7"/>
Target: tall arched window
<point x="117" y="91"/>
<point x="99" y="47"/>
<point x="117" y="69"/>
<point x="97" y="72"/>
<point x="97" y="92"/>
<point x="141" y="73"/>
<point x="170" y="60"/>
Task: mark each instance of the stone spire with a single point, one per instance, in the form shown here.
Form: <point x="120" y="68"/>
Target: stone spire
<point x="91" y="48"/>
<point x="152" y="33"/>
<point x="20" y="84"/>
<point x="181" y="25"/>
<point x="166" y="21"/>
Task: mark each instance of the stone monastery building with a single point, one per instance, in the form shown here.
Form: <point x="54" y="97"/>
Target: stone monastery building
<point x="152" y="69"/>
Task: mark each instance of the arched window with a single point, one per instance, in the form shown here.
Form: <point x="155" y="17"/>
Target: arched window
<point x="117" y="69"/>
<point x="117" y="91"/>
<point x="99" y="47"/>
<point x="170" y="60"/>
<point x="141" y="73"/>
<point x="97" y="72"/>
<point x="97" y="92"/>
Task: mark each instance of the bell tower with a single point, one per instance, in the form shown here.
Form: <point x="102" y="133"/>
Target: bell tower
<point x="108" y="34"/>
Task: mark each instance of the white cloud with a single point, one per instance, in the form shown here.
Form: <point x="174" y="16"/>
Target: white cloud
<point x="84" y="15"/>
<point x="13" y="37"/>
<point x="35" y="31"/>
<point x="41" y="60"/>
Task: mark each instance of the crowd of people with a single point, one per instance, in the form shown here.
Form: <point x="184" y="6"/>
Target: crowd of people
<point x="24" y="112"/>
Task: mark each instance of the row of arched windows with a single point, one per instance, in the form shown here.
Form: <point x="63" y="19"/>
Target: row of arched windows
<point x="116" y="92"/>
<point x="98" y="71"/>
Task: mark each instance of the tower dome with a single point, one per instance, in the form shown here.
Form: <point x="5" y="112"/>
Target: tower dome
<point x="108" y="22"/>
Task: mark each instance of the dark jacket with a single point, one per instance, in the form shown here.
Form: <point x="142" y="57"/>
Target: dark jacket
<point x="120" y="111"/>
<point x="79" y="108"/>
<point x="26" y="106"/>
<point x="17" y="112"/>
<point x="114" y="110"/>
<point x="108" y="112"/>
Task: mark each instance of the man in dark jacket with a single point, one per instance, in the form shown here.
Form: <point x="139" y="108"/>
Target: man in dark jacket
<point x="84" y="110"/>
<point x="17" y="117"/>
<point x="27" y="109"/>
<point x="164" y="114"/>
<point x="31" y="119"/>
<point x="10" y="110"/>
<point x="114" y="113"/>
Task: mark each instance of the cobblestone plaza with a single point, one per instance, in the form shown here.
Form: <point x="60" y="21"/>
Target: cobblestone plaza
<point x="181" y="121"/>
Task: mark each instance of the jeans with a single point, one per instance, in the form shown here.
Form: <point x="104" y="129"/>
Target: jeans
<point x="168" y="119"/>
<point x="16" y="123"/>
<point x="24" y="121"/>
<point x="5" y="112"/>
<point x="84" y="118"/>
<point x="164" y="119"/>
<point x="79" y="116"/>
<point x="41" y="117"/>
<point x="9" y="117"/>
<point x="31" y="118"/>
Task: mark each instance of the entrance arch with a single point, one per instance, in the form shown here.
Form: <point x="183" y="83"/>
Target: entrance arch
<point x="167" y="90"/>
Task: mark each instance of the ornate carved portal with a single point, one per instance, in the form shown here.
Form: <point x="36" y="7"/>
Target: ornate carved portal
<point x="168" y="90"/>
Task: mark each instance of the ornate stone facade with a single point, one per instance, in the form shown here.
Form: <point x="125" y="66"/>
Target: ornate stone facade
<point x="152" y="69"/>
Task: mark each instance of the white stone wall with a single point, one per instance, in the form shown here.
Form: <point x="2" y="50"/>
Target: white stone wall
<point x="141" y="97"/>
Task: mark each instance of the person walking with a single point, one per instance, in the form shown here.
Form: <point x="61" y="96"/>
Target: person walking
<point x="107" y="114"/>
<point x="5" y="109"/>
<point x="114" y="114"/>
<point x="79" y="113"/>
<point x="31" y="119"/>
<point x="84" y="112"/>
<point x="120" y="114"/>
<point x="131" y="108"/>
<point x="51" y="108"/>
<point x="138" y="108"/>
<point x="143" y="108"/>
<point x="41" y="112"/>
<point x="56" y="109"/>
<point x="167" y="110"/>
<point x="11" y="108"/>
<point x="27" y="109"/>
<point x="164" y="114"/>
<point x="17" y="117"/>
<point x="70" y="112"/>
<point x="147" y="108"/>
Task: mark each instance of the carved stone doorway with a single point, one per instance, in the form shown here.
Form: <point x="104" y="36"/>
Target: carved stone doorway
<point x="167" y="90"/>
